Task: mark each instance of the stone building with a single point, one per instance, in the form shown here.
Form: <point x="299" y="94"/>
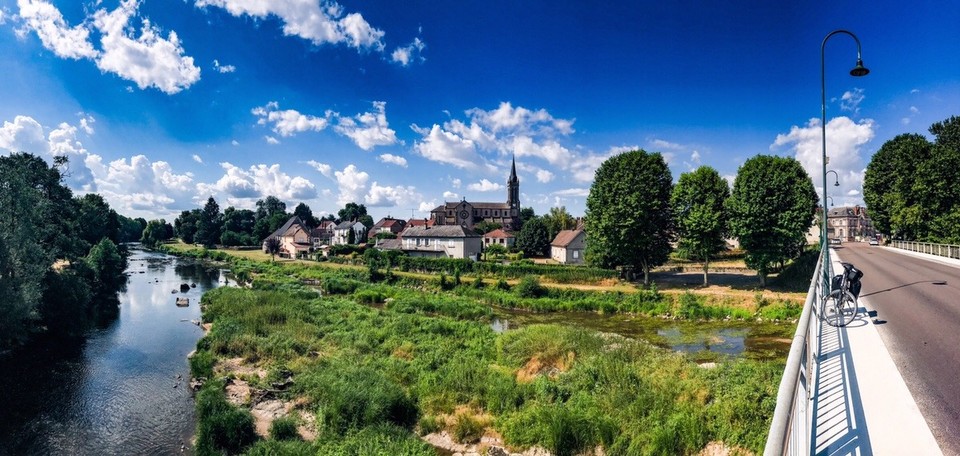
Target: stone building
<point x="465" y="213"/>
<point x="849" y="224"/>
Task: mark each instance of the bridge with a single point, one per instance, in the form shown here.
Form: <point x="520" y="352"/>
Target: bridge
<point x="889" y="382"/>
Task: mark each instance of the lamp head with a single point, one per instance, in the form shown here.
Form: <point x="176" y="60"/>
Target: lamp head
<point x="859" y="70"/>
<point x="836" y="184"/>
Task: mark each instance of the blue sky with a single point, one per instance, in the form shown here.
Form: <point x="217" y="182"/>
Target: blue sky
<point x="403" y="105"/>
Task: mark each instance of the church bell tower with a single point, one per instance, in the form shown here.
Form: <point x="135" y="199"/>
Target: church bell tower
<point x="513" y="190"/>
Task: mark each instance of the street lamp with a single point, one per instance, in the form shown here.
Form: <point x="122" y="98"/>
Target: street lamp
<point x="831" y="200"/>
<point x="836" y="180"/>
<point x="857" y="71"/>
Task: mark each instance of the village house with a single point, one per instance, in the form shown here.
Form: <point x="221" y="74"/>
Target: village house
<point x="341" y="232"/>
<point x="386" y="225"/>
<point x="294" y="238"/>
<point x="568" y="246"/>
<point x="445" y="241"/>
<point x="849" y="224"/>
<point x="323" y="234"/>
<point x="499" y="237"/>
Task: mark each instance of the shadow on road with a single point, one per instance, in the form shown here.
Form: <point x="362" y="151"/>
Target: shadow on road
<point x="935" y="282"/>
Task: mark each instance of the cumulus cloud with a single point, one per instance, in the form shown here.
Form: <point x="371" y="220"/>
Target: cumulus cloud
<point x="289" y="122"/>
<point x="394" y="159"/>
<point x="448" y="195"/>
<point x="86" y="123"/>
<point x="427" y="206"/>
<point x="384" y="196"/>
<point x="412" y="52"/>
<point x="223" y="68"/>
<point x="197" y="159"/>
<point x="142" y="187"/>
<point x="578" y="192"/>
<point x="446" y="147"/>
<point x="369" y="129"/>
<point x="844" y="140"/>
<point x="456" y="182"/>
<point x="851" y="99"/>
<point x="484" y="186"/>
<point x="238" y="184"/>
<point x="544" y="176"/>
<point x="661" y="145"/>
<point x="54" y="33"/>
<point x="352" y="183"/>
<point x="322" y="168"/>
<point x="25" y="134"/>
<point x="147" y="59"/>
<point x="271" y="140"/>
<point x="318" y="22"/>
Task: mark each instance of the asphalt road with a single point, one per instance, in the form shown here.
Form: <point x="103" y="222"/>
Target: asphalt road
<point x="917" y="304"/>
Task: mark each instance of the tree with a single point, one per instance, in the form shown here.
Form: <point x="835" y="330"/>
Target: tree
<point x="156" y="232"/>
<point x="209" y="224"/>
<point x="526" y="213"/>
<point x="269" y="206"/>
<point x="272" y="245"/>
<point x="352" y="236"/>
<point x="238" y="227"/>
<point x="698" y="205"/>
<point x="108" y="266"/>
<point x="95" y="220"/>
<point x="353" y="211"/>
<point x="888" y="185"/>
<point x="557" y="220"/>
<point x="533" y="238"/>
<point x="185" y="226"/>
<point x="771" y="208"/>
<point x="303" y="211"/>
<point x="495" y="251"/>
<point x="486" y="226"/>
<point x="628" y="220"/>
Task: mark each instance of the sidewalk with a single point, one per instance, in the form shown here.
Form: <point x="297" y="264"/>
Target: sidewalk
<point x="861" y="403"/>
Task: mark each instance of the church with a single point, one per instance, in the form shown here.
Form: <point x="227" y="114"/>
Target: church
<point x="467" y="214"/>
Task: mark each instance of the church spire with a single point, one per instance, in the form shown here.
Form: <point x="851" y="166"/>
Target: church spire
<point x="513" y="187"/>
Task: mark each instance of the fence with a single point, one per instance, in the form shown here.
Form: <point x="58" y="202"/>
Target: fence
<point x="944" y="250"/>
<point x="790" y="429"/>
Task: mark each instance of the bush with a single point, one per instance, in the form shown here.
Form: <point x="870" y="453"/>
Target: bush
<point x="467" y="429"/>
<point x="529" y="287"/>
<point x="429" y="424"/>
<point x="221" y="426"/>
<point x="201" y="364"/>
<point x="284" y="428"/>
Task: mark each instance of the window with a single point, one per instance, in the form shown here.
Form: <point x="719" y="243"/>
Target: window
<point x="576" y="254"/>
<point x="486" y="213"/>
<point x="450" y="243"/>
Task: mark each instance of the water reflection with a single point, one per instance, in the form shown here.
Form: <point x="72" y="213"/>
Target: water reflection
<point x="116" y="391"/>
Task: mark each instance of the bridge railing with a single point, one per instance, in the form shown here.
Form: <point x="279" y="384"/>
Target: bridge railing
<point x="790" y="430"/>
<point x="944" y="250"/>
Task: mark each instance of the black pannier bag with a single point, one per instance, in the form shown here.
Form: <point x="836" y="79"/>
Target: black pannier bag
<point x="853" y="278"/>
<point x="835" y="282"/>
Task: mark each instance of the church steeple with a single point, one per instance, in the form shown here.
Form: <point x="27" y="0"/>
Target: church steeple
<point x="513" y="188"/>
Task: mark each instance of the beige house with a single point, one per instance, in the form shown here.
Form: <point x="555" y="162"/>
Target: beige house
<point x="499" y="236"/>
<point x="294" y="238"/>
<point x="849" y="224"/>
<point x="443" y="241"/>
<point x="323" y="234"/>
<point x="568" y="246"/>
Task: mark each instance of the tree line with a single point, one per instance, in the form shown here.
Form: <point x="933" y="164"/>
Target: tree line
<point x="910" y="185"/>
<point x="636" y="216"/>
<point x="61" y="263"/>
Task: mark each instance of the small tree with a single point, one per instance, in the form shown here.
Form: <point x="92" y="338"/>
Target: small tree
<point x="495" y="250"/>
<point x="698" y="206"/>
<point x="533" y="238"/>
<point x="272" y="245"/>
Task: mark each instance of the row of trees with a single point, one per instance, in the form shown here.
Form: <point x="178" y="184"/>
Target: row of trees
<point x="910" y="185"/>
<point x="635" y="214"/>
<point x="60" y="264"/>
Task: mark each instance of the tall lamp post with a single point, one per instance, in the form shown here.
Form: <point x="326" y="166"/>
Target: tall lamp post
<point x="857" y="71"/>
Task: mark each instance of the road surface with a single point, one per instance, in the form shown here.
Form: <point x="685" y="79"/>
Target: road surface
<point x="917" y="304"/>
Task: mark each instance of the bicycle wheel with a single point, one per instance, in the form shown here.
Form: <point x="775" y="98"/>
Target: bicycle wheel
<point x="838" y="308"/>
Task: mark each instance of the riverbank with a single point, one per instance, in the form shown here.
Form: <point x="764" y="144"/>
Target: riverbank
<point x="377" y="365"/>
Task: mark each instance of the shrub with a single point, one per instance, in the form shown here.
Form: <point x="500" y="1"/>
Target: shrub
<point x="467" y="429"/>
<point x="429" y="424"/>
<point x="529" y="287"/>
<point x="221" y="426"/>
<point x="284" y="428"/>
<point x="201" y="364"/>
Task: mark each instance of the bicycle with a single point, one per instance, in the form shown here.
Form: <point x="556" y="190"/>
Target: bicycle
<point x="839" y="306"/>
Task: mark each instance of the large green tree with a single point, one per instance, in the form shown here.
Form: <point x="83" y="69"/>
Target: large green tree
<point x="534" y="239"/>
<point x="557" y="220"/>
<point x="306" y="215"/>
<point x="210" y="224"/>
<point x="185" y="226"/>
<point x="771" y="208"/>
<point x="888" y="185"/>
<point x="628" y="220"/>
<point x="156" y="232"/>
<point x="701" y="218"/>
<point x="96" y="220"/>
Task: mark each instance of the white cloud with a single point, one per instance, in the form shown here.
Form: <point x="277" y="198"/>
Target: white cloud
<point x="914" y="91"/>
<point x="394" y="159"/>
<point x="235" y="142"/>
<point x="86" y="123"/>
<point x="695" y="157"/>
<point x="484" y="186"/>
<point x="25" y="134"/>
<point x="914" y="110"/>
<point x="409" y="53"/>
<point x="54" y="33"/>
<point x="456" y="183"/>
<point x="448" y="195"/>
<point x="149" y="60"/>
<point x="850" y="101"/>
<point x="520" y="120"/>
<point x="223" y="68"/>
<point x="369" y="129"/>
<point x="353" y="185"/>
<point x="319" y="22"/>
<point x="322" y="168"/>
<point x="544" y="176"/>
<point x="381" y="196"/>
<point x="271" y="140"/>
<point x="197" y="159"/>
<point x="665" y="145"/>
<point x="844" y="140"/>
<point x="446" y="147"/>
<point x="258" y="181"/>
<point x="427" y="206"/>
<point x="551" y="151"/>
<point x="289" y="122"/>
<point x="580" y="192"/>
<point x="905" y="121"/>
<point x="142" y="187"/>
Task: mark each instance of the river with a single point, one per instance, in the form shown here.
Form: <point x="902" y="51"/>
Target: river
<point x="122" y="389"/>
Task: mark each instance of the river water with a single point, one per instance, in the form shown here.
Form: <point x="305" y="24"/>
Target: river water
<point x="121" y="390"/>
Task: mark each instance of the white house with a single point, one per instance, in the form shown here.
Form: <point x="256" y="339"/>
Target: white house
<point x="449" y="241"/>
<point x="568" y="246"/>
<point x="341" y="233"/>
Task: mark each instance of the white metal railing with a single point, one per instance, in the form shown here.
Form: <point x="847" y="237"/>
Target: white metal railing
<point x="790" y="430"/>
<point x="944" y="250"/>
